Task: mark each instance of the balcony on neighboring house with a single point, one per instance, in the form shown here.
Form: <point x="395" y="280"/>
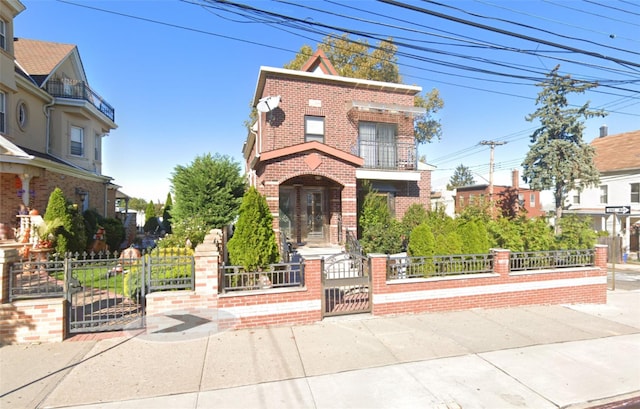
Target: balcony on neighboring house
<point x="388" y="155"/>
<point x="73" y="89"/>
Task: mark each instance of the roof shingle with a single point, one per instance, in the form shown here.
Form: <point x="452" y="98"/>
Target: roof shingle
<point x="39" y="58"/>
<point x="617" y="152"/>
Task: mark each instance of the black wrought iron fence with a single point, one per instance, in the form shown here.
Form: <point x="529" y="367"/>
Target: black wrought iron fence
<point x="438" y="266"/>
<point x="278" y="275"/>
<point x="540" y="260"/>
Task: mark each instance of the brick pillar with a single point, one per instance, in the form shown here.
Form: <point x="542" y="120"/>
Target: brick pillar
<point x="378" y="272"/>
<point x="601" y="256"/>
<point x="207" y="259"/>
<point x="7" y="257"/>
<point x="501" y="261"/>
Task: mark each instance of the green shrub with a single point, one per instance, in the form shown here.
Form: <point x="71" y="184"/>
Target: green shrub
<point x="576" y="233"/>
<point x="385" y="239"/>
<point x="422" y="242"/>
<point x="253" y="244"/>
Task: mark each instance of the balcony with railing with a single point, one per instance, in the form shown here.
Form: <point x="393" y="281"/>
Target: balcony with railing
<point x="73" y="89"/>
<point x="388" y="155"/>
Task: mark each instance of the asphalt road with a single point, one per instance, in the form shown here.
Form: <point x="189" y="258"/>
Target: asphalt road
<point x="625" y="280"/>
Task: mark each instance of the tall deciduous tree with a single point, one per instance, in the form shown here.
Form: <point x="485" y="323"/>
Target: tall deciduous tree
<point x="558" y="158"/>
<point x="358" y="59"/>
<point x="208" y="190"/>
<point x="461" y="177"/>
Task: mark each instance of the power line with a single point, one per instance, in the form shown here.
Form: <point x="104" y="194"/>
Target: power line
<point x="511" y="33"/>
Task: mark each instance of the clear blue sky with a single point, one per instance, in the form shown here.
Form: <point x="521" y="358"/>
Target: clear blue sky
<point x="181" y="74"/>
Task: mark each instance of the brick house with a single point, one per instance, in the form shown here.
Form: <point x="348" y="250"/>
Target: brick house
<point x="320" y="137"/>
<point x="51" y="126"/>
<point x="509" y="199"/>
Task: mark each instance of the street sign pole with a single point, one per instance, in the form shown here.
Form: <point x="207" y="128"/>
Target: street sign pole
<point x="615" y="255"/>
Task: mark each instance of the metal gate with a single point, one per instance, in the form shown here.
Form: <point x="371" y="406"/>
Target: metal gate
<point x="104" y="292"/>
<point x="346" y="282"/>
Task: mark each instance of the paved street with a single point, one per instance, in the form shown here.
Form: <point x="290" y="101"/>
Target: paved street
<point x="626" y="279"/>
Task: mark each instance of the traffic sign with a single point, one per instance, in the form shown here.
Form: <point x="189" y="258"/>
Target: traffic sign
<point x="617" y="209"/>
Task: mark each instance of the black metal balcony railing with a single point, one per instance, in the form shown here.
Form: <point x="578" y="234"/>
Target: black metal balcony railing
<point x="73" y="89"/>
<point x="389" y="155"/>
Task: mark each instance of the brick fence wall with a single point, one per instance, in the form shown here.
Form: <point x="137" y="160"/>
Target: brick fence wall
<point x="44" y="320"/>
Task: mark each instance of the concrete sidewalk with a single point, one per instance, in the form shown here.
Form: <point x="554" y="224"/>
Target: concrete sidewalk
<point x="535" y="357"/>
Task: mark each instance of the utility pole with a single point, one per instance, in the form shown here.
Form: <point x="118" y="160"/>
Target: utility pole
<point x="493" y="145"/>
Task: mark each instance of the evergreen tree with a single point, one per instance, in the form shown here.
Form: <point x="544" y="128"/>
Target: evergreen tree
<point x="577" y="233"/>
<point x="254" y="244"/>
<point x="422" y="242"/>
<point x="461" y="177"/>
<point x="209" y="190"/>
<point x="476" y="239"/>
<point x="58" y="214"/>
<point x="558" y="158"/>
<point x="149" y="212"/>
<point x="166" y="214"/>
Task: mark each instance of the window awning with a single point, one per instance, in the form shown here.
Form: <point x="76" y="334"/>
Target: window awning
<point x="389" y="108"/>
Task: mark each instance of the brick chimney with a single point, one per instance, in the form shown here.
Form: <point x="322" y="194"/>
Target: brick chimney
<point x="515" y="176"/>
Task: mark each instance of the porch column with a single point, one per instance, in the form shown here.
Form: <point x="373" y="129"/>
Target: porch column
<point x="25" y="178"/>
<point x="298" y="213"/>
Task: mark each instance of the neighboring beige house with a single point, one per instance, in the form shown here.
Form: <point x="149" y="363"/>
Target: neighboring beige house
<point x="618" y="160"/>
<point x="51" y="125"/>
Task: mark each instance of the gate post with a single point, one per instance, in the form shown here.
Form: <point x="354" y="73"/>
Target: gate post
<point x="378" y="271"/>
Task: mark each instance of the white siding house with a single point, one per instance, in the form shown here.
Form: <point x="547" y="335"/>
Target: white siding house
<point x="618" y="160"/>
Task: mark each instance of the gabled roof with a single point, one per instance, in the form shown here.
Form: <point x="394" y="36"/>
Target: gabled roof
<point x="40" y="58"/>
<point x="617" y="152"/>
<point x="319" y="61"/>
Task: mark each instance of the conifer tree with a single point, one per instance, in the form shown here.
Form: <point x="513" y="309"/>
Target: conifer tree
<point x="166" y="214"/>
<point x="461" y="177"/>
<point x="253" y="244"/>
<point x="58" y="214"/>
<point x="559" y="159"/>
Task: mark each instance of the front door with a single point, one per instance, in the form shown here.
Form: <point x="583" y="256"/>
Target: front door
<point x="315" y="215"/>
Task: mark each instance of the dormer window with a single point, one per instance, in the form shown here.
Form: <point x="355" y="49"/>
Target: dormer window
<point x="314" y="128"/>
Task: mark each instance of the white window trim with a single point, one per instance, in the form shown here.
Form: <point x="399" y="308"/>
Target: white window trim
<point x="3" y="34"/>
<point x="314" y="128"/>
<point x="3" y="112"/>
<point x="71" y="141"/>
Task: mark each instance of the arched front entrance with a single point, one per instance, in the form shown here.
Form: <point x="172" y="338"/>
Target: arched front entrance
<point x="310" y="210"/>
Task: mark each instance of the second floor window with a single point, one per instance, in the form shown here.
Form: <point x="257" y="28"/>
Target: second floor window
<point x="604" y="194"/>
<point x="378" y="145"/>
<point x="532" y="199"/>
<point x="3" y="34"/>
<point x="77" y="141"/>
<point x="635" y="193"/>
<point x="96" y="154"/>
<point x="314" y="128"/>
<point x="576" y="198"/>
<point x="3" y="105"/>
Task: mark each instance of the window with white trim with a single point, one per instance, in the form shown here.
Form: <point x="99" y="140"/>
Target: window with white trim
<point x="314" y="128"/>
<point x="604" y="194"/>
<point x="96" y="152"/>
<point x="3" y="111"/>
<point x="532" y="199"/>
<point x="635" y="193"/>
<point x="77" y="141"/>
<point x="3" y="34"/>
<point x="22" y="115"/>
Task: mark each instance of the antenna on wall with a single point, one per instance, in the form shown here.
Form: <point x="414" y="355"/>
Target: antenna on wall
<point x="267" y="105"/>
